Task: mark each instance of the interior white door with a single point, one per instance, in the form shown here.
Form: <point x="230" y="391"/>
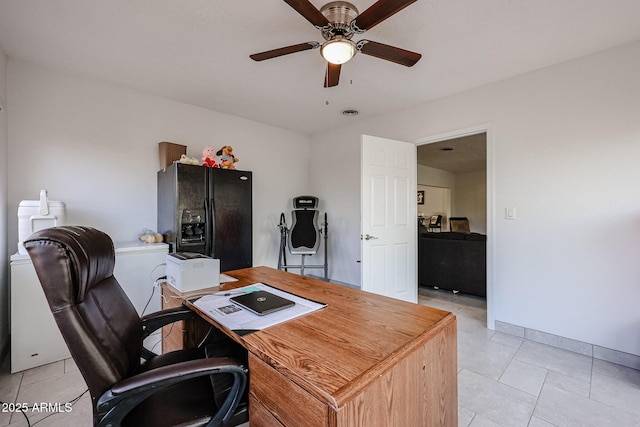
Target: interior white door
<point x="389" y="218"/>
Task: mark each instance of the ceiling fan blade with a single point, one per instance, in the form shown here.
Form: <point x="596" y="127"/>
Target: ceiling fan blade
<point x="332" y="76"/>
<point x="309" y="12"/>
<point x="283" y="51"/>
<point x="389" y="53"/>
<point x="378" y="12"/>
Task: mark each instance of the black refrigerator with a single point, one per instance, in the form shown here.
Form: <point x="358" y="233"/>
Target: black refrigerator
<point x="207" y="211"/>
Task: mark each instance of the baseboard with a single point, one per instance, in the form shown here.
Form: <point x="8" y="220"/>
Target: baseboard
<point x="591" y="350"/>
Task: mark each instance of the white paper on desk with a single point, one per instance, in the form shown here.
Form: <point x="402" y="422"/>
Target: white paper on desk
<point x="234" y="317"/>
<point x="225" y="278"/>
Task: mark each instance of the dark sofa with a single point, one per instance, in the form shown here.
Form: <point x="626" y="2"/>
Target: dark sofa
<point x="453" y="261"/>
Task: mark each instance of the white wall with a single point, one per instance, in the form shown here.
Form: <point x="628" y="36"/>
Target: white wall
<point x="436" y="177"/>
<point x="564" y="144"/>
<point x="94" y="146"/>
<point x="470" y="199"/>
<point x="4" y="273"/>
<point x="468" y="194"/>
<point x="437" y="201"/>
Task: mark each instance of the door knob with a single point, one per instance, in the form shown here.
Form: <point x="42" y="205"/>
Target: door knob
<point x="368" y="237"/>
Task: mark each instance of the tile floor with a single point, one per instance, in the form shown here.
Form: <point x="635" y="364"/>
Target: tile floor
<point x="507" y="381"/>
<point x="502" y="381"/>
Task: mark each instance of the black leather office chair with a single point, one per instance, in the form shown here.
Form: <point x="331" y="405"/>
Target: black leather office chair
<point x="130" y="386"/>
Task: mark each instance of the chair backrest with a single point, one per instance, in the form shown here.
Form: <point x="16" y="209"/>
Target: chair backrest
<point x="435" y="221"/>
<point x="459" y="224"/>
<point x="304" y="238"/>
<point x="98" y="322"/>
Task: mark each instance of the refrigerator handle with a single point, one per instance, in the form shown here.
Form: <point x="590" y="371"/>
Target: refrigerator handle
<point x="211" y="223"/>
<point x="207" y="228"/>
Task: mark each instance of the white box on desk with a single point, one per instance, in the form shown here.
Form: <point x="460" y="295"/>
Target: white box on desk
<point x="187" y="271"/>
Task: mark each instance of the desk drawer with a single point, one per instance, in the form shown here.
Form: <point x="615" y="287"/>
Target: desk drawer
<point x="260" y="416"/>
<point x="287" y="402"/>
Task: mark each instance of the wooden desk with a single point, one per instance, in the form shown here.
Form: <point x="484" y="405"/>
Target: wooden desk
<point x="364" y="360"/>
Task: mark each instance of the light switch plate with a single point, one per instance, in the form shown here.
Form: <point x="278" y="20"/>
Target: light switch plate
<point x="510" y="213"/>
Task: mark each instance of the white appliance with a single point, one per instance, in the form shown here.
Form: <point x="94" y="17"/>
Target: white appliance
<point x="36" y="215"/>
<point x="35" y="338"/>
<point x="188" y="271"/>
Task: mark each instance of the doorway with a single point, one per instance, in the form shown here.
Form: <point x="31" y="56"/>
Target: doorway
<point x="461" y="162"/>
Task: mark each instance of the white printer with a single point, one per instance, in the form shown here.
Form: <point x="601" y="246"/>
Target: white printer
<point x="187" y="271"/>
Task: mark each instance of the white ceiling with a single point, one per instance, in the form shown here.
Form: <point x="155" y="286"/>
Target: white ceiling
<point x="197" y="51"/>
<point x="463" y="154"/>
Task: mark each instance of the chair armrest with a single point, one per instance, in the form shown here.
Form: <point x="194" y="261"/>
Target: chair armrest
<point x="177" y="372"/>
<point x="128" y="393"/>
<point x="154" y="321"/>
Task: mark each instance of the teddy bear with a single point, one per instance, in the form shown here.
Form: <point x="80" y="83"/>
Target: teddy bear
<point x="188" y="160"/>
<point x="208" y="157"/>
<point x="227" y="159"/>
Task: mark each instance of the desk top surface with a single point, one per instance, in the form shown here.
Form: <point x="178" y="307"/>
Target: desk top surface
<point x="336" y="351"/>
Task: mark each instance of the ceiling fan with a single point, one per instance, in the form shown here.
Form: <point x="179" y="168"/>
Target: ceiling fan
<point x="338" y="22"/>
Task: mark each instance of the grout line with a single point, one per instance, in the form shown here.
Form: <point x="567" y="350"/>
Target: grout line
<point x="15" y="400"/>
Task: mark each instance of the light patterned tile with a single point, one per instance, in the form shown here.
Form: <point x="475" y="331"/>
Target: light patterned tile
<point x="483" y="356"/>
<point x="570" y="384"/>
<point x="9" y="385"/>
<point x="464" y="416"/>
<point x="58" y="389"/>
<point x="480" y="421"/>
<point x="70" y="366"/>
<point x="5" y="418"/>
<point x="525" y="377"/>
<point x="506" y="339"/>
<point x="619" y="393"/>
<point x="496" y="402"/>
<point x="617" y="371"/>
<point x="555" y="359"/>
<point x="537" y="422"/>
<point x="43" y="372"/>
<point x="467" y="322"/>
<point x="566" y="409"/>
<point x="79" y="415"/>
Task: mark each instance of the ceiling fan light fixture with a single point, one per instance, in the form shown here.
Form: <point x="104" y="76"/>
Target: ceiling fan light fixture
<point x="338" y="22"/>
<point x="338" y="50"/>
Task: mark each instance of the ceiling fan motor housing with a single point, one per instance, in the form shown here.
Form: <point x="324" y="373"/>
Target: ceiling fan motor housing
<point x="339" y="14"/>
